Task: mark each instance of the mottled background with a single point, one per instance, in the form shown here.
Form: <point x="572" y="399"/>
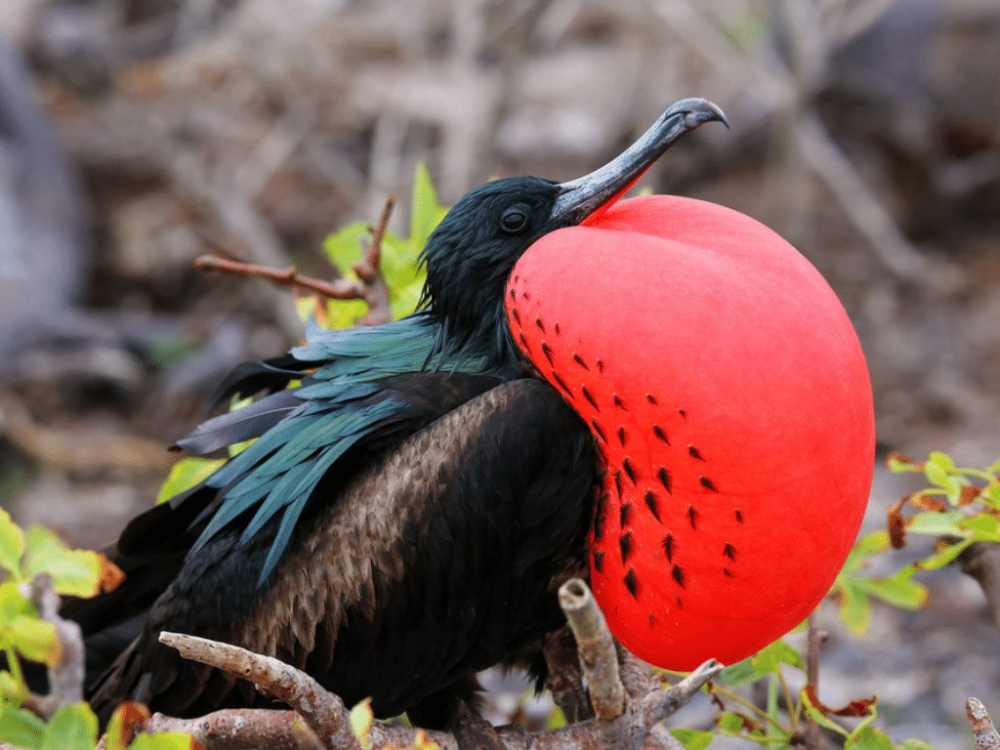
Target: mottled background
<point x="138" y="134"/>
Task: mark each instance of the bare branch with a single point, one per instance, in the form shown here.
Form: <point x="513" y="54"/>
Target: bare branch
<point x="371" y="288"/>
<point x="596" y="648"/>
<point x="813" y="738"/>
<point x="565" y="676"/>
<point x="241" y="728"/>
<point x="986" y="735"/>
<point x="637" y="719"/>
<point x="341" y="289"/>
<point x="322" y="711"/>
<point x="369" y="270"/>
<point x="663" y="703"/>
<point x="66" y="676"/>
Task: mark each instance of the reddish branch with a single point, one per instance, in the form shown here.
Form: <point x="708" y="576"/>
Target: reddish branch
<point x="370" y="286"/>
<point x="631" y="702"/>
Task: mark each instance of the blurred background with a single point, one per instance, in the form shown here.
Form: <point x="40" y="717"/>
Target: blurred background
<point x="136" y="135"/>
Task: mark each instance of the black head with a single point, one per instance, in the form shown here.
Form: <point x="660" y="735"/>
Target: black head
<point x="472" y="252"/>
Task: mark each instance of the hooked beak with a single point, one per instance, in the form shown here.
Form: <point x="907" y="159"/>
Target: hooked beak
<point x="583" y="197"/>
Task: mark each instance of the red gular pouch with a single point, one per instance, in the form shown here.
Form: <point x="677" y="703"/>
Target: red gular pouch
<point x="729" y="397"/>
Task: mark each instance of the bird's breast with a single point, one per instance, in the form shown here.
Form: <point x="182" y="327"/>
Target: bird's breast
<point x="730" y="400"/>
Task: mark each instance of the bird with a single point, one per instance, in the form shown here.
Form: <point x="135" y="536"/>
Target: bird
<point x="646" y="392"/>
<point x="404" y="516"/>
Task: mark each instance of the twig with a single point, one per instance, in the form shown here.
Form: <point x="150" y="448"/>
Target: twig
<point x="812" y="735"/>
<point x="241" y="728"/>
<point x="341" y="289"/>
<point x="325" y="714"/>
<point x="596" y="648"/>
<point x="985" y="734"/>
<point x="564" y="676"/>
<point x="321" y="710"/>
<point x="369" y="270"/>
<point x="66" y="676"/>
<point x="982" y="562"/>
<point x="371" y="288"/>
<point x="663" y="703"/>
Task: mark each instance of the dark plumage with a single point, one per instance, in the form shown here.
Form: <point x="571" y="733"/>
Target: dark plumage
<point x="404" y="516"/>
<point x="401" y="522"/>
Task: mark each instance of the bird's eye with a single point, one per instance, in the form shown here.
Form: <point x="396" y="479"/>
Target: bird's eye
<point x="513" y="220"/>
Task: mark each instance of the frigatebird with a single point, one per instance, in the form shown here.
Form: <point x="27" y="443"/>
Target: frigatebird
<point x="406" y="513"/>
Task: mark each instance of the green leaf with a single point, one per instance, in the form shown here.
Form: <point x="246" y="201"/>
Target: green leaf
<point x="343" y="247"/>
<point x="692" y="739"/>
<point x="898" y="590"/>
<point x="943" y="461"/>
<point x="945" y="555"/>
<point x="13" y="604"/>
<point x="11" y="689"/>
<point x="185" y="474"/>
<point x="343" y="313"/>
<point x="11" y="545"/>
<point x="912" y="744"/>
<point x="425" y="211"/>
<point x="20" y="728"/>
<point x="741" y="673"/>
<point x="729" y="722"/>
<point x="162" y="741"/>
<point x="361" y="719"/>
<point x="557" y="718"/>
<point x="71" y="728"/>
<point x="991" y="496"/>
<point x="74" y="572"/>
<point x="933" y="523"/>
<point x="855" y="607"/>
<point x="937" y="475"/>
<point x="898" y="465"/>
<point x="868" y="738"/>
<point x="35" y="639"/>
<point x="769" y="658"/>
<point x="816" y="715"/>
<point x="984" y="525"/>
<point x="873" y="543"/>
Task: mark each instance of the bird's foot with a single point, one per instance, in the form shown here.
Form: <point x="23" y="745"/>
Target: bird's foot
<point x="473" y="732"/>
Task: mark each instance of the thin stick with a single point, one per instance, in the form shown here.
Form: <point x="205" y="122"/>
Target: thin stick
<point x="986" y="735"/>
<point x="371" y="287"/>
<point x="289" y="277"/>
<point x="636" y="718"/>
<point x="663" y="703"/>
<point x="811" y="731"/>
<point x="369" y="270"/>
<point x="66" y="676"/>
<point x="596" y="648"/>
<point x="321" y="710"/>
